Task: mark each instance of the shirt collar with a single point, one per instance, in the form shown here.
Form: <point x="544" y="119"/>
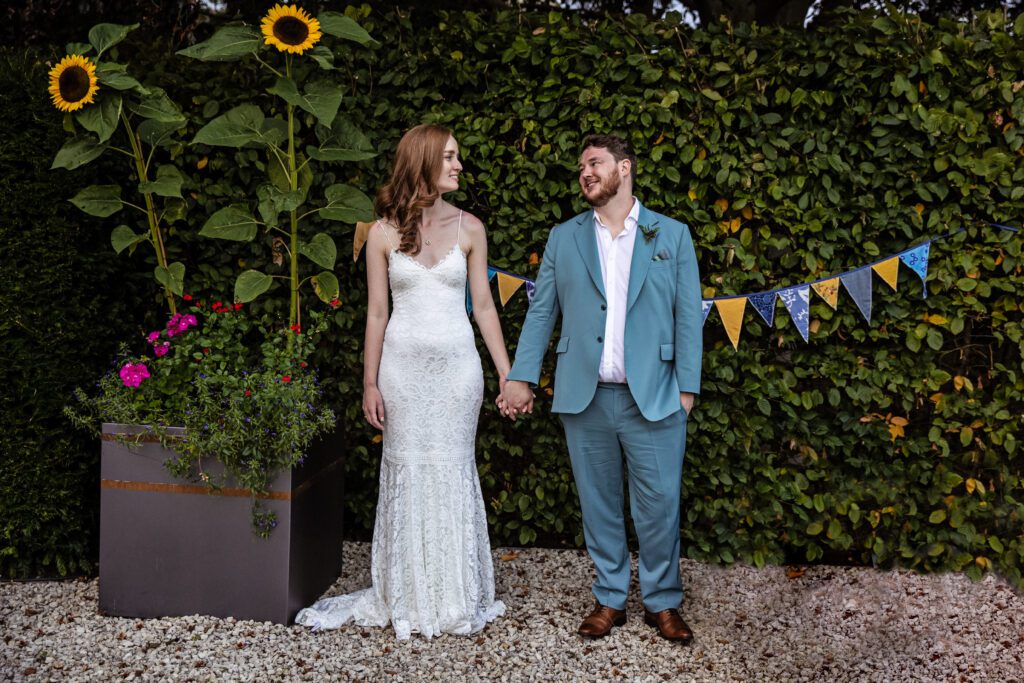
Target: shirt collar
<point x="631" y="220"/>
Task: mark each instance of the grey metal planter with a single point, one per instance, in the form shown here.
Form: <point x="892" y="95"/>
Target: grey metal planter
<point x="171" y="548"/>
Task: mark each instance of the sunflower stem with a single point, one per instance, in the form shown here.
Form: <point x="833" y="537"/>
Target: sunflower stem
<point x="293" y="179"/>
<point x="151" y="218"/>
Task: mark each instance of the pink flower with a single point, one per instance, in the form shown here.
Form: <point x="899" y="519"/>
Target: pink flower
<point x="179" y="323"/>
<point x="153" y="336"/>
<point x="161" y="349"/>
<point x="132" y="374"/>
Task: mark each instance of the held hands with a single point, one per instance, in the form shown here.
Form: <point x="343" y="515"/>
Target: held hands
<point x="516" y="399"/>
<point x="373" y="407"/>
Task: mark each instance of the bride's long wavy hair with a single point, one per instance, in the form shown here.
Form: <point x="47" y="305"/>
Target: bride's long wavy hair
<point x="412" y="186"/>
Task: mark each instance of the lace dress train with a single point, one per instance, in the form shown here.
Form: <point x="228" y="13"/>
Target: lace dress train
<point x="431" y="566"/>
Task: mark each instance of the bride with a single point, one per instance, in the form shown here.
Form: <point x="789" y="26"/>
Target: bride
<point x="423" y="386"/>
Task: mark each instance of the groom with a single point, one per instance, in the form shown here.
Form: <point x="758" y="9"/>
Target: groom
<point x="624" y="281"/>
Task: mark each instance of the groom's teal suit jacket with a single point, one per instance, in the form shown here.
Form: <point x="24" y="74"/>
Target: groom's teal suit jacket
<point x="663" y="337"/>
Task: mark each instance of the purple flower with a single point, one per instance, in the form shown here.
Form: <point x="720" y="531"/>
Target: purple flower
<point x="153" y="336"/>
<point x="132" y="374"/>
<point x="161" y="349"/>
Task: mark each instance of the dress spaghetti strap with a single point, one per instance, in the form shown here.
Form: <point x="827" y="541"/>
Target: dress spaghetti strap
<point x="458" y="234"/>
<point x="386" y="236"/>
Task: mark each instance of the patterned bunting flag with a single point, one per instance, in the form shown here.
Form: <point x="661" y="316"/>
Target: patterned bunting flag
<point x="764" y="303"/>
<point x="359" y="238"/>
<point x="531" y="289"/>
<point x="797" y="300"/>
<point x="507" y="286"/>
<point x="888" y="270"/>
<point x="858" y="284"/>
<point x="706" y="305"/>
<point x="917" y="260"/>
<point x="731" y="312"/>
<point x="829" y="291"/>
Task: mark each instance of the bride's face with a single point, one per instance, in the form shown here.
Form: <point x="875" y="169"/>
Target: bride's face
<point x="450" y="168"/>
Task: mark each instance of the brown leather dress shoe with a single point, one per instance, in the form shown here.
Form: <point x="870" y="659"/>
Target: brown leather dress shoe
<point x="599" y="623"/>
<point x="670" y="625"/>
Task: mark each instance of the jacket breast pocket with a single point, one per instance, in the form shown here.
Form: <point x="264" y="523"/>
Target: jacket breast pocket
<point x="668" y="351"/>
<point x="563" y="345"/>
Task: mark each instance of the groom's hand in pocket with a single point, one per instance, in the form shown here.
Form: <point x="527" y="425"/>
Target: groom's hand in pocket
<point x="686" y="401"/>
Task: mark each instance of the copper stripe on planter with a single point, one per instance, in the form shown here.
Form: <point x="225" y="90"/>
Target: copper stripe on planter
<point x="189" y="488"/>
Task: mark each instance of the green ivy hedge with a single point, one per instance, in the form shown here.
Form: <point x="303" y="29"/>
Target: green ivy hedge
<point x="793" y="155"/>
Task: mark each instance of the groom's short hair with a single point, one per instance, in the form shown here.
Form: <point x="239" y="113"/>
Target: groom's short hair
<point x="618" y="147"/>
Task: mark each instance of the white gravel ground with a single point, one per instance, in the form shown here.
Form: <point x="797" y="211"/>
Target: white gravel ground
<point x="823" y="625"/>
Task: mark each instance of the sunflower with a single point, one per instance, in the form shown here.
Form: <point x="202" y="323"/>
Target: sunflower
<point x="73" y="83"/>
<point x="290" y="29"/>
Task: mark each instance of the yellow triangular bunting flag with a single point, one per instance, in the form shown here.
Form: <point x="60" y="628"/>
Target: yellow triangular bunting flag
<point x="828" y="290"/>
<point x="359" y="239"/>
<point x="731" y="312"/>
<point x="888" y="270"/>
<point x="507" y="286"/>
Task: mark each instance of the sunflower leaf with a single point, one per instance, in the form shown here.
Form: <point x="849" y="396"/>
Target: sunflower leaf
<point x="155" y="133"/>
<point x="321" y="250"/>
<point x="115" y="75"/>
<point x="326" y="286"/>
<point x="241" y="126"/>
<point x="77" y="152"/>
<point x="231" y="223"/>
<point x="105" y="36"/>
<point x="158" y="106"/>
<point x="103" y="117"/>
<point x="274" y="200"/>
<point x="77" y="48"/>
<point x="346" y="143"/>
<point x="124" y="237"/>
<point x="99" y="200"/>
<point x="321" y="99"/>
<point x="250" y="285"/>
<point x="340" y="26"/>
<point x="227" y="44"/>
<point x="172" y="277"/>
<point x="346" y="204"/>
<point x="167" y="183"/>
<point x="323" y="56"/>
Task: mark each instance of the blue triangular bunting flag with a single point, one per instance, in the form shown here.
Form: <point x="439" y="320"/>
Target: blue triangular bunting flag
<point x="531" y="289"/>
<point x="917" y="260"/>
<point x="706" y="305"/>
<point x="858" y="284"/>
<point x="797" y="300"/>
<point x="764" y="303"/>
<point x="490" y="273"/>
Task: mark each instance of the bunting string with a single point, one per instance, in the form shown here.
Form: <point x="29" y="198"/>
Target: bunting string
<point x="796" y="298"/>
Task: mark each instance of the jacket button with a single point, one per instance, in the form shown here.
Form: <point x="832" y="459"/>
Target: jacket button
<point x="600" y="339"/>
<point x="603" y="307"/>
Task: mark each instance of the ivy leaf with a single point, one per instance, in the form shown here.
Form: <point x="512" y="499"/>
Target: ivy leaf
<point x="99" y="200"/>
<point x="250" y="285"/>
<point x="77" y="152"/>
<point x="103" y="117"/>
<point x="227" y="44"/>
<point x="172" y="277"/>
<point x="347" y="204"/>
<point x="321" y="250"/>
<point x="105" y="36"/>
<point x="233" y="223"/>
<point x="340" y="26"/>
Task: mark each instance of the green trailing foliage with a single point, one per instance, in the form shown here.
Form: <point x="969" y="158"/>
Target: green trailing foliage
<point x="792" y="155"/>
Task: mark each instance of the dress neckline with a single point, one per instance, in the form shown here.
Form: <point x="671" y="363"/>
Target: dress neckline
<point x="439" y="262"/>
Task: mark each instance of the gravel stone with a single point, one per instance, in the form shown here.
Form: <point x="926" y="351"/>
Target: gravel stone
<point x="819" y="624"/>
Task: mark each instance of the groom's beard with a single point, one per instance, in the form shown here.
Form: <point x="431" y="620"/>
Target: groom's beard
<point x="605" y="191"/>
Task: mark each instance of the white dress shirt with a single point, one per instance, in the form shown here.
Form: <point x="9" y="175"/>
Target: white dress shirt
<point x="616" y="256"/>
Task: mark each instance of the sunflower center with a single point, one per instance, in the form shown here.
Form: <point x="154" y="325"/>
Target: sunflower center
<point x="74" y="83"/>
<point x="291" y="31"/>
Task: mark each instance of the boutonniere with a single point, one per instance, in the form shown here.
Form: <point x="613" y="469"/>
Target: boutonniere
<point x="649" y="233"/>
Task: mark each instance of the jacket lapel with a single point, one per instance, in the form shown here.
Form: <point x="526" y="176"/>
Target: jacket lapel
<point x="586" y="242"/>
<point x="643" y="252"/>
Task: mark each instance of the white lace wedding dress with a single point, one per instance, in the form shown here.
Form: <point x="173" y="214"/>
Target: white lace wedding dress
<point x="431" y="559"/>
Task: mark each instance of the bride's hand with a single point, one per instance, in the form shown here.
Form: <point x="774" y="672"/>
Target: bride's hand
<point x="373" y="407"/>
